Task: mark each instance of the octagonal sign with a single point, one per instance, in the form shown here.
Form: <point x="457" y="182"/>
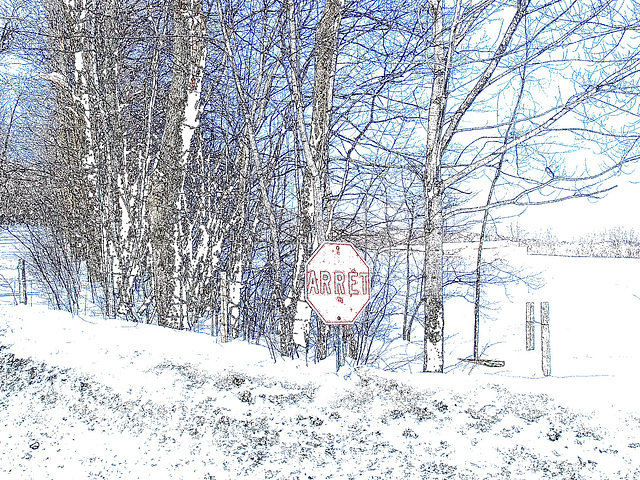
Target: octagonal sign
<point x="337" y="283"/>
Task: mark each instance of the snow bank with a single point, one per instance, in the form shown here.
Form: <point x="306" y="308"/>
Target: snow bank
<point x="82" y="397"/>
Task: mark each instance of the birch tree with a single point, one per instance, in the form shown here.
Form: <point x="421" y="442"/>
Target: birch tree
<point x="97" y="70"/>
<point x="530" y="34"/>
<point x="166" y="200"/>
<point x="70" y="25"/>
<point x="248" y="38"/>
<point x="311" y="230"/>
<point x="318" y="122"/>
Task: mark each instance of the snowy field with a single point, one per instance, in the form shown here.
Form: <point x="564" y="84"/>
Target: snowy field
<point x="82" y="397"/>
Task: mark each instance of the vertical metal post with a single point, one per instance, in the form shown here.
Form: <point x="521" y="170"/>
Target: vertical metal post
<point x="351" y="347"/>
<point x="530" y="326"/>
<point x="22" y="281"/>
<point x="544" y="339"/>
<point x="339" y="346"/>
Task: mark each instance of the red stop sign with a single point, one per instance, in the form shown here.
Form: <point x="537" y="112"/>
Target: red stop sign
<point x="337" y="283"/>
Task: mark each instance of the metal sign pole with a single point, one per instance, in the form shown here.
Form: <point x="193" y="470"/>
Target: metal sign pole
<point x="339" y="349"/>
<point x="338" y="288"/>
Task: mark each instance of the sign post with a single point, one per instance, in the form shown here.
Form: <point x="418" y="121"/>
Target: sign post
<point x="337" y="286"/>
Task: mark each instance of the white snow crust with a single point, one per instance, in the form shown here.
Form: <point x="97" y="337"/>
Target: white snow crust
<point x="85" y="397"/>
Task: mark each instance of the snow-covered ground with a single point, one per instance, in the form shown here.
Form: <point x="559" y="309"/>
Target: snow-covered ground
<point x="84" y="397"/>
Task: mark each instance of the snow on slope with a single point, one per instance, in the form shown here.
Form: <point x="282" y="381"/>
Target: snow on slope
<point x="89" y="398"/>
<point x="594" y="326"/>
<point x="82" y="397"/>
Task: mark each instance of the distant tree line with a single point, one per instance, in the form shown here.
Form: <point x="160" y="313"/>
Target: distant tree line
<point x="618" y="242"/>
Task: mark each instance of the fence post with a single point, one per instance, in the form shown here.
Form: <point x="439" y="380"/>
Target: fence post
<point x="544" y="339"/>
<point x="224" y="308"/>
<point x="530" y="326"/>
<point x="22" y="281"/>
<point x="214" y="321"/>
<point x="109" y="294"/>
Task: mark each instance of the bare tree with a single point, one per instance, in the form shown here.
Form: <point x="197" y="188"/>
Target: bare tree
<point x="312" y="226"/>
<point x="210" y="158"/>
<point x="165" y="202"/>
<point x="451" y="103"/>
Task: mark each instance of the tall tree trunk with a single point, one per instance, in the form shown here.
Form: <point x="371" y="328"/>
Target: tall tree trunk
<point x="81" y="225"/>
<point x="165" y="202"/>
<point x="433" y="296"/>
<point x="311" y="226"/>
<point x="239" y="249"/>
<point x="433" y="192"/>
<point x="437" y="142"/>
<point x="113" y="170"/>
<point x="407" y="320"/>
<point x="485" y="217"/>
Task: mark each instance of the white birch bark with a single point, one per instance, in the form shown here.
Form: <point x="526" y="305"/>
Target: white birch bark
<point x="312" y="226"/>
<point x="114" y="175"/>
<point x="90" y="44"/>
<point x="166" y="201"/>
<point x="76" y="114"/>
<point x="238" y="253"/>
<point x="224" y="307"/>
<point x="437" y="141"/>
<point x="78" y="16"/>
<point x="433" y="223"/>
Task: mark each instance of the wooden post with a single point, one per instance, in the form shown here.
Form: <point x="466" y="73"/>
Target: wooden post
<point x="224" y="308"/>
<point x="110" y="297"/>
<point x="530" y="326"/>
<point x="214" y="322"/>
<point x="544" y="339"/>
<point x="22" y="281"/>
<point x="215" y="315"/>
